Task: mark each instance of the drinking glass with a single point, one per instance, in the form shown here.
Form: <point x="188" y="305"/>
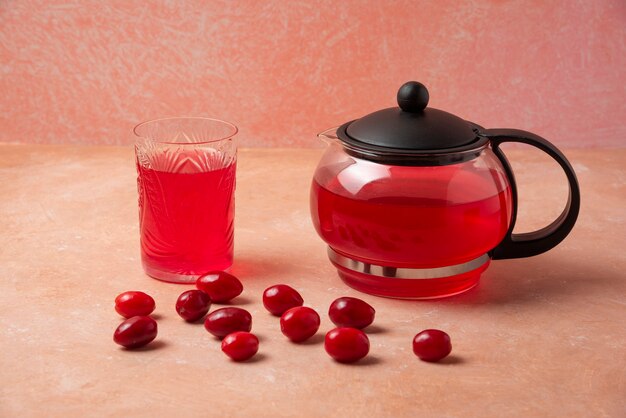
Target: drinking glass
<point x="186" y="184"/>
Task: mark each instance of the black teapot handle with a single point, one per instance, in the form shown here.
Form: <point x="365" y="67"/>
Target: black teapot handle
<point x="537" y="242"/>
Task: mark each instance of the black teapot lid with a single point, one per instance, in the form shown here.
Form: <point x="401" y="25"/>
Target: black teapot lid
<point x="411" y="129"/>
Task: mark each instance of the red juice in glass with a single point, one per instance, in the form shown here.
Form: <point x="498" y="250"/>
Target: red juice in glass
<point x="186" y="220"/>
<point x="186" y="202"/>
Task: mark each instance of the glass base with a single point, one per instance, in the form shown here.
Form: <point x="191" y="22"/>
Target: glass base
<point x="411" y="288"/>
<point x="167" y="276"/>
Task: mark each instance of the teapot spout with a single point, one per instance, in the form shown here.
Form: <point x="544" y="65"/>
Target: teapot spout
<point x="329" y="136"/>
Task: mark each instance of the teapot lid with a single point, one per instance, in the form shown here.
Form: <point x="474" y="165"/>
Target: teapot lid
<point x="411" y="128"/>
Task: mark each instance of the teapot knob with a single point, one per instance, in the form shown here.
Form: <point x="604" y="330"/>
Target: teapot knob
<point x="413" y="97"/>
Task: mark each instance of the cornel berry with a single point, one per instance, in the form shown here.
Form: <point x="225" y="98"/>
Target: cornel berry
<point x="432" y="345"/>
<point x="134" y="303"/>
<point x="299" y="323"/>
<point x="224" y="321"/>
<point x="346" y="345"/>
<point x="136" y="332"/>
<point x="351" y="312"/>
<point x="193" y="305"/>
<point x="220" y="286"/>
<point x="279" y="298"/>
<point x="240" y="346"/>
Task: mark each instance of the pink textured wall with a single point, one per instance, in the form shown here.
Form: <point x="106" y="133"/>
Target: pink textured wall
<point x="86" y="71"/>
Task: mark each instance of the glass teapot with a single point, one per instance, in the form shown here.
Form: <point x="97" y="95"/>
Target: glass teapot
<point x="415" y="202"/>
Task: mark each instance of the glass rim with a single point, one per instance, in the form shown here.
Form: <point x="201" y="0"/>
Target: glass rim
<point x="233" y="127"/>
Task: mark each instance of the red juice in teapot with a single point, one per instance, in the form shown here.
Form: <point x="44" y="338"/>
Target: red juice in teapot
<point x="419" y="217"/>
<point x="186" y="219"/>
<point x="414" y="201"/>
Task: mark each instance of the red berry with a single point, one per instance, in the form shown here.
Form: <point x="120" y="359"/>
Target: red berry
<point x="220" y="286"/>
<point x="240" y="346"/>
<point x="432" y="345"/>
<point x="193" y="305"/>
<point x="133" y="303"/>
<point x="224" y="321"/>
<point x="278" y="298"/>
<point x="136" y="332"/>
<point x="351" y="312"/>
<point x="299" y="323"/>
<point x="347" y="345"/>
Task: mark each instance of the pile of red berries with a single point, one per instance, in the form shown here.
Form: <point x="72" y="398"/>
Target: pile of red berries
<point x="346" y="344"/>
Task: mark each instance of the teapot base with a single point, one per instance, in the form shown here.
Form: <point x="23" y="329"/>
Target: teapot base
<point x="403" y="283"/>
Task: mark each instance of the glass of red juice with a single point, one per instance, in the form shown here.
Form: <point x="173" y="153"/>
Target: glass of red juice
<point x="186" y="184"/>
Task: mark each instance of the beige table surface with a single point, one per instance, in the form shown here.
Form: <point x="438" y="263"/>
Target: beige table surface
<point x="542" y="336"/>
